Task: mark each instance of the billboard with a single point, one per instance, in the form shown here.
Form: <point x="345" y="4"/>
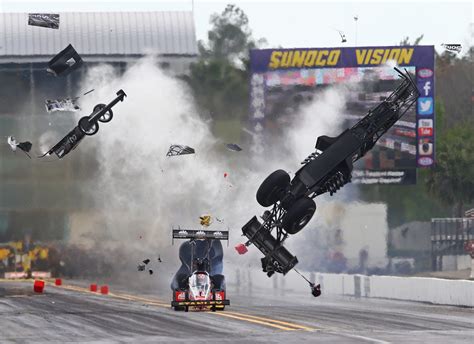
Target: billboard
<point x="282" y="80"/>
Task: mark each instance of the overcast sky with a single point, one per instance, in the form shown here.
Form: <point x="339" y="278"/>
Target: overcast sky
<point x="305" y="23"/>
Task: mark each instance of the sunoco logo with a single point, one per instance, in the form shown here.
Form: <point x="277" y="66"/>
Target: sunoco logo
<point x="425" y="161"/>
<point x="425" y="73"/>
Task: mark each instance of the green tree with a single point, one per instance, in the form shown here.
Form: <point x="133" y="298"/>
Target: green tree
<point x="219" y="79"/>
<point x="451" y="180"/>
<point x="406" y="40"/>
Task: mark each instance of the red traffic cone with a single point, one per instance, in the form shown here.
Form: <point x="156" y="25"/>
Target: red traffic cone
<point x="58" y="281"/>
<point x="104" y="289"/>
<point x="38" y="286"/>
<point x="93" y="288"/>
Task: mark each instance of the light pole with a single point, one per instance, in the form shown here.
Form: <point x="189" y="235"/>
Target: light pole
<point x="356" y="18"/>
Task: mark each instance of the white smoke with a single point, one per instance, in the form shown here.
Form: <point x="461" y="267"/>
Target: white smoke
<point x="141" y="193"/>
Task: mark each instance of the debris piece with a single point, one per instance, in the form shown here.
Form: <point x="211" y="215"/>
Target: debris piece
<point x="88" y="92"/>
<point x="58" y="282"/>
<point x="38" y="286"/>
<point x="141" y="267"/>
<point x="24" y="146"/>
<point x="233" y="147"/>
<point x="315" y="289"/>
<point x="225" y="174"/>
<point x="343" y="36"/>
<point x="205" y="220"/>
<point x="65" y="61"/>
<point x="93" y="288"/>
<point x="87" y="125"/>
<point x="47" y="20"/>
<point x="150" y="271"/>
<point x="159" y="259"/>
<point x="452" y="47"/>
<point x="241" y="248"/>
<point x="179" y="150"/>
<point x="67" y="104"/>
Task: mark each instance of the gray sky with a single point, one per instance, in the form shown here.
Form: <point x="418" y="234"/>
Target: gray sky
<point x="305" y="23"/>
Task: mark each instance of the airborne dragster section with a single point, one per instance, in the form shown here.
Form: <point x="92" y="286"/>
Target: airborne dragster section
<point x="327" y="169"/>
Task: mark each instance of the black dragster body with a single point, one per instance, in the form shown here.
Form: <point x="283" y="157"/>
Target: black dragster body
<point x="327" y="169"/>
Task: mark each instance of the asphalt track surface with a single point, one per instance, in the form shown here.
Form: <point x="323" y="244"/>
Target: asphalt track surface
<point x="73" y="314"/>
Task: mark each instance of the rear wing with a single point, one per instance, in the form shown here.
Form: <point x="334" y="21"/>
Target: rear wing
<point x="182" y="233"/>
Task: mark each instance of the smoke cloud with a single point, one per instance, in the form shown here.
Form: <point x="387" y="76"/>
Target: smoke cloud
<point x="139" y="193"/>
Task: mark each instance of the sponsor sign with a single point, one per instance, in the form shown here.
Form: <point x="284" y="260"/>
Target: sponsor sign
<point x="425" y="161"/>
<point x="277" y="71"/>
<point x="425" y="106"/>
<point x="425" y="73"/>
<point x="425" y="127"/>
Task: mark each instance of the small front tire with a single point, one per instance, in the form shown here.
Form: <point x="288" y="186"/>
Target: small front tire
<point x="298" y="215"/>
<point x="86" y="127"/>
<point x="273" y="188"/>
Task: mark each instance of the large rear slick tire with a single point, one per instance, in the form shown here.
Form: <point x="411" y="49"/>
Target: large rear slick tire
<point x="273" y="188"/>
<point x="298" y="215"/>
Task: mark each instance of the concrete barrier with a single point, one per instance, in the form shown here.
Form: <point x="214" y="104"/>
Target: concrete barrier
<point x="420" y="289"/>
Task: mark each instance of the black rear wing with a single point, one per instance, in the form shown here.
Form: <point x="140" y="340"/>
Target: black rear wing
<point x="182" y="233"/>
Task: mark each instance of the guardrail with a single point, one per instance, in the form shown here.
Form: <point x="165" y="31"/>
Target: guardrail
<point x="419" y="289"/>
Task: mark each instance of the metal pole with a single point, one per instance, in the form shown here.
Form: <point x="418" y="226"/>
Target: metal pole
<point x="356" y="18"/>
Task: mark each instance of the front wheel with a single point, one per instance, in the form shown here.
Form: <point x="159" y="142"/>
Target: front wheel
<point x="86" y="127"/>
<point x="298" y="215"/>
<point x="273" y="188"/>
<point x="107" y="116"/>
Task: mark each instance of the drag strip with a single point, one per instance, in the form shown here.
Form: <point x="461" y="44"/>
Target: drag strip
<point x="71" y="313"/>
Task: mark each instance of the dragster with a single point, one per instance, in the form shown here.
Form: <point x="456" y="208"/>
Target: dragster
<point x="87" y="126"/>
<point x="199" y="283"/>
<point x="327" y="169"/>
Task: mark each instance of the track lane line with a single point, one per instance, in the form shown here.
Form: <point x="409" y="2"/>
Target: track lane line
<point x="282" y="325"/>
<point x="266" y="323"/>
<point x="296" y="326"/>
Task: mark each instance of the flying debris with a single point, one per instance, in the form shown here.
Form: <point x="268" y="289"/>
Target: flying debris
<point x="343" y="36"/>
<point x="141" y="267"/>
<point x="159" y="259"/>
<point x="241" y="248"/>
<point x="150" y="271"/>
<point x="24" y="146"/>
<point x="452" y="47"/>
<point x="233" y="147"/>
<point x="67" y="104"/>
<point x="47" y="20"/>
<point x="205" y="220"/>
<point x="89" y="92"/>
<point x="87" y="126"/>
<point x="225" y="174"/>
<point x="315" y="289"/>
<point x="65" y="62"/>
<point x="146" y="261"/>
<point x="176" y="150"/>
